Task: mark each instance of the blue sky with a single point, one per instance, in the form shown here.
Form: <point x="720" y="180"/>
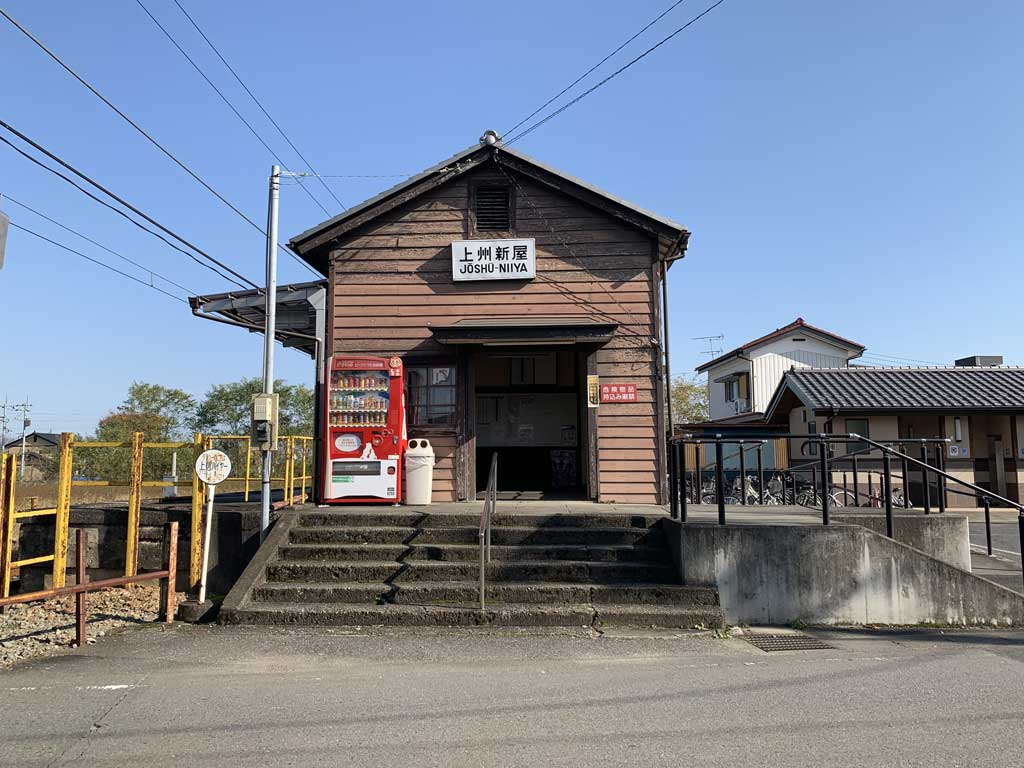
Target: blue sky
<point x="856" y="164"/>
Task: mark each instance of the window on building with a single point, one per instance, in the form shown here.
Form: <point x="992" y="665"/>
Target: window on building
<point x="731" y="390"/>
<point x="430" y="395"/>
<point x="492" y="208"/>
<point x="812" y="429"/>
<point x="857" y="427"/>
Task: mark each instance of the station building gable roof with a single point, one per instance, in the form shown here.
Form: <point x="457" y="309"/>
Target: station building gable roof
<point x="313" y="244"/>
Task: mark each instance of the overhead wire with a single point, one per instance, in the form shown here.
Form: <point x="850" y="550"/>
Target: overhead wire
<point x="612" y="76"/>
<point x="88" y="239"/>
<point x="225" y="99"/>
<point x="97" y="261"/>
<point x="148" y="137"/>
<point x="123" y="202"/>
<point x="257" y="101"/>
<point x="575" y="82"/>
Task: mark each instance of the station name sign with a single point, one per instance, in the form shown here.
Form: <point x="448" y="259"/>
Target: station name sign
<point x="494" y="259"/>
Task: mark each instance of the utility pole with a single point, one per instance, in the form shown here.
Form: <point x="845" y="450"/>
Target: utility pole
<point x="3" y="423"/>
<point x="26" y="422"/>
<point x="268" y="338"/>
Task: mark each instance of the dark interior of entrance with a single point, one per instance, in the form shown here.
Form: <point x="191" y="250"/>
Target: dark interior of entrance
<point x="528" y="411"/>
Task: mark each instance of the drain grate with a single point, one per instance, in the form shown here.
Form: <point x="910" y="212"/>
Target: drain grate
<point x="788" y="642"/>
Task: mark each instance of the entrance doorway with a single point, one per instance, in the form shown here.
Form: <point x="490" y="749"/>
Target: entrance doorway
<point x="528" y="411"/>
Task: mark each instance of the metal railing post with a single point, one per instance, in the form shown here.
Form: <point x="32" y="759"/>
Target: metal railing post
<point x="856" y="484"/>
<point x="887" y="490"/>
<point x="906" y="479"/>
<point x="60" y="536"/>
<point x="825" y="484"/>
<point x="871" y="490"/>
<point x="988" y="524"/>
<point x="940" y="462"/>
<point x="673" y="479"/>
<point x="720" y="482"/>
<point x="925" y="487"/>
<point x="8" y="472"/>
<point x="743" y="475"/>
<point x="682" y="476"/>
<point x="80" y="578"/>
<point x="131" y="548"/>
<point x="760" y="474"/>
<point x="814" y="482"/>
<point x="1020" y="534"/>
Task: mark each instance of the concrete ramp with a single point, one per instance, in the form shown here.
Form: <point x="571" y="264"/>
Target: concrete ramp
<point x="837" y="574"/>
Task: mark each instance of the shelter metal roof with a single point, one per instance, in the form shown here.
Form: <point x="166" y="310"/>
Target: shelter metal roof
<point x="297" y="304"/>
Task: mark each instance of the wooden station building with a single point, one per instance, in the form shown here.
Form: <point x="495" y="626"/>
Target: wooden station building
<point x="527" y="307"/>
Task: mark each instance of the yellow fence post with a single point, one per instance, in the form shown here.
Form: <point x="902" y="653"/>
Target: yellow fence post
<point x="60" y="535"/>
<point x="248" y="465"/>
<point x="131" y="552"/>
<point x="305" y="455"/>
<point x="8" y="473"/>
<point x="289" y="471"/>
<point x="196" y="541"/>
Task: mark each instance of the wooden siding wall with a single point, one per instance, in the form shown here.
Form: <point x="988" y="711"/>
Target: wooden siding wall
<point x="391" y="280"/>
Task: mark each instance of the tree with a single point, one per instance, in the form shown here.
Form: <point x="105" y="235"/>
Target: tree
<point x="689" y="400"/>
<point x="174" y="410"/>
<point x="227" y="408"/>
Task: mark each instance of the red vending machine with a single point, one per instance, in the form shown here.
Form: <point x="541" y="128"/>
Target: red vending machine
<point x="364" y="430"/>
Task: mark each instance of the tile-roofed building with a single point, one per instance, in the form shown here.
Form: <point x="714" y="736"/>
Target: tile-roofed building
<point x="906" y="389"/>
<point x="977" y="410"/>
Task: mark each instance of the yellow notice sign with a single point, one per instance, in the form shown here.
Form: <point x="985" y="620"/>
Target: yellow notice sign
<point x="593" y="391"/>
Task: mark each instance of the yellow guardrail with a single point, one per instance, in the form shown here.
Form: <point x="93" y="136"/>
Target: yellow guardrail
<point x="296" y="475"/>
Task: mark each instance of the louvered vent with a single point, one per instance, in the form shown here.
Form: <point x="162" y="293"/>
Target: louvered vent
<point x="493" y="209"/>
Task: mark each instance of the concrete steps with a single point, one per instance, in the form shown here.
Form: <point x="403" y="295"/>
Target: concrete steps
<point x="368" y="566"/>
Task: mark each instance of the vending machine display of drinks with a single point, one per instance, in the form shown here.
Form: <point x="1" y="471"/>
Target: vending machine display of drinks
<point x="364" y="429"/>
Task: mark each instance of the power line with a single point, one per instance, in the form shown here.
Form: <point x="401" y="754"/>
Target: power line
<point x="98" y="245"/>
<point x="97" y="261"/>
<point x="614" y="74"/>
<point x="149" y="138"/>
<point x="571" y="85"/>
<point x="902" y="359"/>
<point x="128" y="205"/>
<point x="258" y="103"/>
<point x="225" y="99"/>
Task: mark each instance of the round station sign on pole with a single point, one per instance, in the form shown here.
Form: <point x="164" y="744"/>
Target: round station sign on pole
<point x="213" y="467"/>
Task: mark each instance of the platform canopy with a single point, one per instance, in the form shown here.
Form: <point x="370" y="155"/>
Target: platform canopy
<point x="300" y="312"/>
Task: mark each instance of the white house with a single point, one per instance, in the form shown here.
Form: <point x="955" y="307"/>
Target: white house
<point x="741" y="382"/>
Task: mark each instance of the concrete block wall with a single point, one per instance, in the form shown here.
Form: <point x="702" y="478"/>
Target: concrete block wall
<point x="837" y="574"/>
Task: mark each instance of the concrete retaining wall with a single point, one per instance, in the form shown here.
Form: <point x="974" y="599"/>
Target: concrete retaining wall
<point x="945" y="537"/>
<point x="234" y="540"/>
<point x="839" y="574"/>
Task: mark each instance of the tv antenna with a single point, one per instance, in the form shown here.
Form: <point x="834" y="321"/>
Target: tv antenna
<point x="713" y="349"/>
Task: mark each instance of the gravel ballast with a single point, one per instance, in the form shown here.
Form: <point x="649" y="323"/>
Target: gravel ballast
<point x="47" y="628"/>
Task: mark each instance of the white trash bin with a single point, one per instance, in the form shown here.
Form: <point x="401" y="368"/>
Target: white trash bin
<point x="419" y="471"/>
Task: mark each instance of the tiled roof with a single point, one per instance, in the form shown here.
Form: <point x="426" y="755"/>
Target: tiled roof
<point x="965" y="389"/>
<point x="797" y="325"/>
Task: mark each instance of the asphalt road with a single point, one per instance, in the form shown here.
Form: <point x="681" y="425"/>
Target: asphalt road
<point x="1005" y="539"/>
<point x="219" y="696"/>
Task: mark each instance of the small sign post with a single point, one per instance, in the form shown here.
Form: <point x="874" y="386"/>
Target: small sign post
<point x="213" y="467"/>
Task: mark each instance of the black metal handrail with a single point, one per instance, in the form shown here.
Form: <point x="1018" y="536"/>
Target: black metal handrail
<point x="484" y="533"/>
<point x="677" y="471"/>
